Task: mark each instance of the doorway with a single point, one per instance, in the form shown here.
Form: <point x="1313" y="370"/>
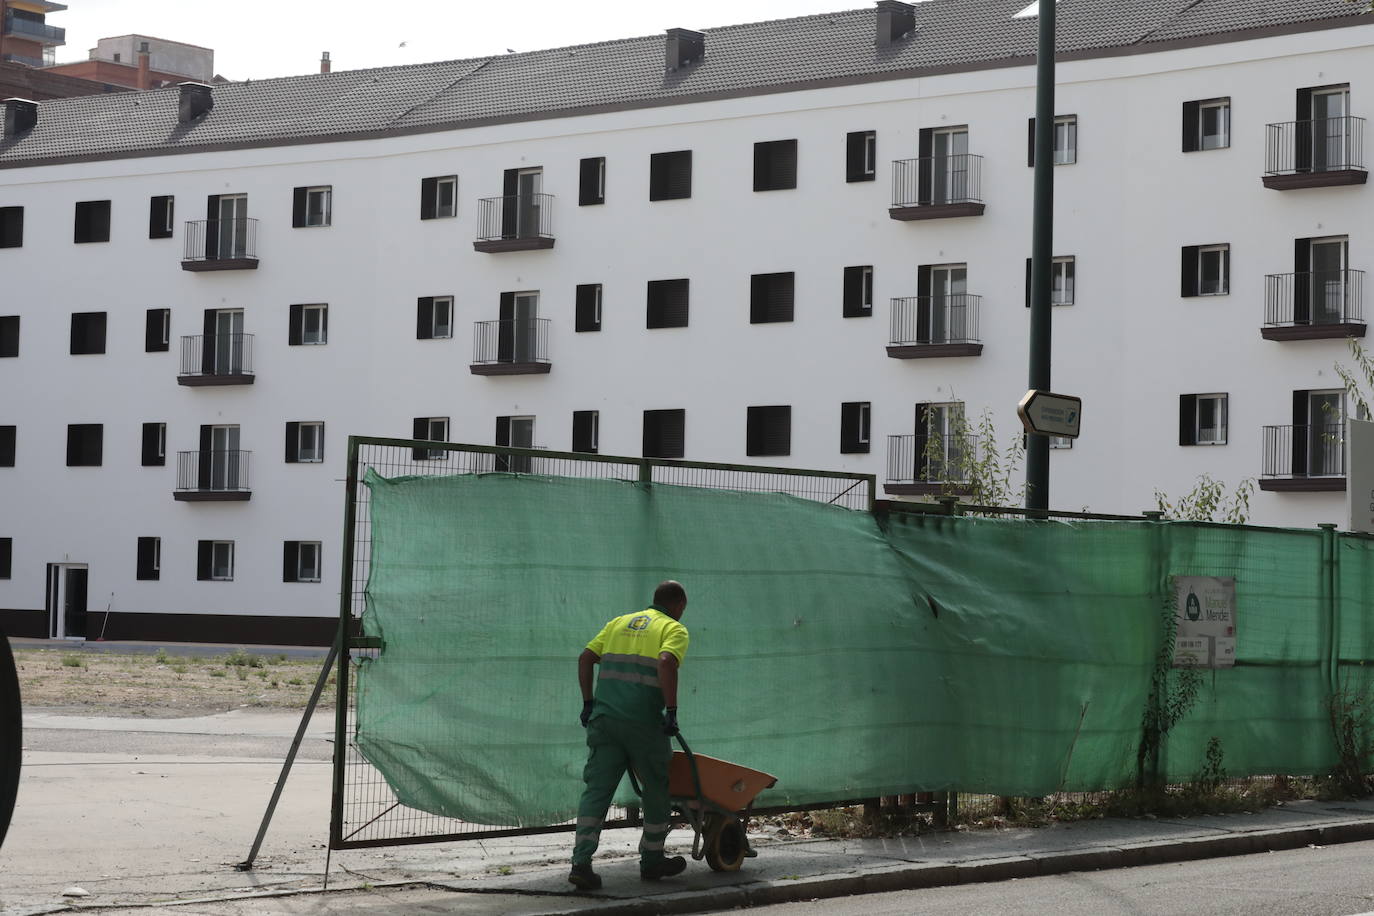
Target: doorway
<point x="67" y="600"/>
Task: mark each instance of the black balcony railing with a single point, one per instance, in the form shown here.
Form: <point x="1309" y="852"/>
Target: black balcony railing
<point x="928" y="458"/>
<point x="1314" y="450"/>
<point x="937" y="180"/>
<point x="1322" y="145"/>
<point x="517" y="341"/>
<point x="225" y="240"/>
<point x="48" y="34"/>
<point x="933" y="320"/>
<point x="525" y="217"/>
<point x="1319" y="297"/>
<point x="213" y="471"/>
<point x="217" y="356"/>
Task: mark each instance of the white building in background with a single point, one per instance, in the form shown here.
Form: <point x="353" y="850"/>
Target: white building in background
<point x="797" y="243"/>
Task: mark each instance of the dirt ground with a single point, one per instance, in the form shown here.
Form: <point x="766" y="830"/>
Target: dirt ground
<point x="161" y="686"/>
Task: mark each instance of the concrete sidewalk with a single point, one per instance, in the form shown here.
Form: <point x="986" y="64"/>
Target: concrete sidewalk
<point x="135" y="815"/>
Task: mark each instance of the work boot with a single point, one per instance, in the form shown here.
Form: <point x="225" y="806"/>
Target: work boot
<point x="584" y="879"/>
<point x="663" y="868"/>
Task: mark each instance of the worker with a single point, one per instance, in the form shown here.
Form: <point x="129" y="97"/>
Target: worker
<point x="628" y="723"/>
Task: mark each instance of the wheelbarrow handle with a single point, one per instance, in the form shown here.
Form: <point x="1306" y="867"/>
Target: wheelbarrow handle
<point x="692" y="762"/>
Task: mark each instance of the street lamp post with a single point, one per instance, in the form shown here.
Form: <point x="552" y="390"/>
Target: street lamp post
<point x="1042" y="244"/>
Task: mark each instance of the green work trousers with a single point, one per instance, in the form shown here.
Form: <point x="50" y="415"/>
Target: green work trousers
<point x="615" y="745"/>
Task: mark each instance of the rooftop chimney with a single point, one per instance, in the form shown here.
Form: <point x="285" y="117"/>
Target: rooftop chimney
<point x="20" y="115"/>
<point x="324" y="61"/>
<point x="896" y="20"/>
<point x="145" y="80"/>
<point x="683" y="48"/>
<point x="195" y="101"/>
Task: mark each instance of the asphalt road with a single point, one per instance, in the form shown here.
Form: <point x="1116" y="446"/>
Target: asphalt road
<point x="1322" y="881"/>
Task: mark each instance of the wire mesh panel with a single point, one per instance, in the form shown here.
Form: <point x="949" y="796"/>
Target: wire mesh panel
<point x="365" y="810"/>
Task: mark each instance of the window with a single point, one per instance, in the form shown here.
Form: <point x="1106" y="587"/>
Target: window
<point x="434" y="318"/>
<point x="942" y="444"/>
<point x="1206" y="125"/>
<point x="861" y="155"/>
<point x="775" y="165"/>
<point x="665" y="433"/>
<point x="1062" y="282"/>
<point x="858" y="292"/>
<point x="6" y="557"/>
<point x="311" y="207"/>
<point x="1202" y="419"/>
<point x="11" y="227"/>
<point x="7" y="436"/>
<point x="769" y="431"/>
<point x="430" y="429"/>
<point x="670" y="175"/>
<point x="308" y="325"/>
<point x="667" y="304"/>
<point x="215" y="561"/>
<point x="439" y="197"/>
<point x="771" y="297"/>
<point x="588" y="317"/>
<point x="586" y="433"/>
<point x="149" y="567"/>
<point x="9" y="335"/>
<point x="85" y="444"/>
<point x="854" y="427"/>
<point x="160" y="217"/>
<point x="154" y="445"/>
<point x="515" y="432"/>
<point x="1065" y="140"/>
<point x="92" y="221"/>
<point x="300" y="561"/>
<point x="304" y="442"/>
<point x="88" y="333"/>
<point x="945" y="175"/>
<point x="1206" y="270"/>
<point x="591" y="182"/>
<point x="157" y="330"/>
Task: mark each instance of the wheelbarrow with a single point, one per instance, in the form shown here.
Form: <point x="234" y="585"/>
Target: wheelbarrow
<point x="714" y="796"/>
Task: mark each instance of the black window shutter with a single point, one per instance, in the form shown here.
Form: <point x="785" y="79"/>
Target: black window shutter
<point x="9" y="335"/>
<point x="854" y="304"/>
<point x="7" y="437"/>
<point x="1187" y="419"/>
<point x="152" y="438"/>
<point x="290" y="560"/>
<point x="419" y="429"/>
<point x="424" y="318"/>
<point x="758" y="298"/>
<point x="1300" y="433"/>
<point x="1192" y="129"/>
<point x="1188" y="286"/>
<point x="1303" y="134"/>
<point x="155" y="225"/>
<point x="203" y="465"/>
<point x="583" y="422"/>
<point x="6" y="557"/>
<point x="295" y="331"/>
<point x="204" y="558"/>
<point x="681" y="185"/>
<point x="589" y="191"/>
<point x="510" y="188"/>
<point x="152" y="331"/>
<point x="763" y="167"/>
<point x="147" y="553"/>
<point x="73" y="446"/>
<point x="429" y="198"/>
<point x="298" y="208"/>
<point x="207" y="341"/>
<point x="503" y="431"/>
<point x="586" y="318"/>
<point x="1028" y="282"/>
<point x="1030" y="142"/>
<point x="782" y="296"/>
<point x="1226" y="269"/>
<point x="212" y="225"/>
<point x="924" y="148"/>
<point x="11" y="227"/>
<point x="672" y="434"/>
<point x="293" y="442"/>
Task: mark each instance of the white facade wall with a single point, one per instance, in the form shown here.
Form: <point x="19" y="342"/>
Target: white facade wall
<point x="164" y="56"/>
<point x="1129" y="346"/>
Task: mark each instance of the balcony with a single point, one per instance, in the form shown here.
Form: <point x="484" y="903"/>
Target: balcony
<point x="212" y="475"/>
<point x="23" y="59"/>
<point x="216" y="359"/>
<point x="930" y="465"/>
<point x="1304" y="459"/>
<point x="36" y="31"/>
<point x="937" y="187"/>
<point x="1314" y="154"/>
<point x="517" y="346"/>
<point x="1313" y="306"/>
<point x="221" y="244"/>
<point x="520" y="222"/>
<point x="929" y="327"/>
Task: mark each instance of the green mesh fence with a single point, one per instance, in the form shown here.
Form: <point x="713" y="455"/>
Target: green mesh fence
<point x="849" y="654"/>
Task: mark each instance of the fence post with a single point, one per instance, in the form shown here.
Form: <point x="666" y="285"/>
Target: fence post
<point x="1329" y="581"/>
<point x="646" y="471"/>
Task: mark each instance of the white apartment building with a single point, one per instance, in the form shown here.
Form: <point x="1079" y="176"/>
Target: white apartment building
<point x="797" y="243"/>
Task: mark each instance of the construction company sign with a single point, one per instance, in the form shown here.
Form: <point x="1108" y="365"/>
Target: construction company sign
<point x="1205" y="612"/>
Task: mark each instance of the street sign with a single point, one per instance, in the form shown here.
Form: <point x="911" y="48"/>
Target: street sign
<point x="1359" y="469"/>
<point x="1050" y="414"/>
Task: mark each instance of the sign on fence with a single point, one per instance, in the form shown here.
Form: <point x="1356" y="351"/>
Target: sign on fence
<point x="1359" y="468"/>
<point x="1205" y="610"/>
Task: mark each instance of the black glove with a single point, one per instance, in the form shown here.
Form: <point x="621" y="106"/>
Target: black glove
<point x="670" y="720"/>
<point x="586" y="712"/>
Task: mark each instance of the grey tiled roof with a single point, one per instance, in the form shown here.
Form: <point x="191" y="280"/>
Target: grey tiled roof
<point x="742" y="59"/>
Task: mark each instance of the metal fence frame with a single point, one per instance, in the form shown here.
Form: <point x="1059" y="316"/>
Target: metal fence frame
<point x="363" y="811"/>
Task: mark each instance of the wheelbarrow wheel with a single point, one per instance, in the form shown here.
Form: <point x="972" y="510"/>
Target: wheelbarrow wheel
<point x="725" y="843"/>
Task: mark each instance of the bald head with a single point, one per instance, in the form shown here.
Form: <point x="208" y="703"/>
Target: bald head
<point x="672" y="597"/>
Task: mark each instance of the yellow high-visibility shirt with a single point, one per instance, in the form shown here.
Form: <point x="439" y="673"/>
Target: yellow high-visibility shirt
<point x="629" y="646"/>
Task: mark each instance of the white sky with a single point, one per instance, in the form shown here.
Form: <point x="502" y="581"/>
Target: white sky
<point x="253" y="39"/>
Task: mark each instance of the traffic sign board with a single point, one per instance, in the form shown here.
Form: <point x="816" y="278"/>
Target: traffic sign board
<point x="1050" y="414"/>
